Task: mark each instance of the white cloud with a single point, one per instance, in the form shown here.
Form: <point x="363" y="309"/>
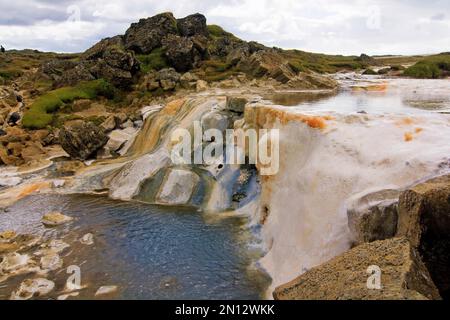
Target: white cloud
<point x="339" y="26"/>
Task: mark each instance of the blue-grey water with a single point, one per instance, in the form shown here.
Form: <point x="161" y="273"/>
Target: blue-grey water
<point x="149" y="252"/>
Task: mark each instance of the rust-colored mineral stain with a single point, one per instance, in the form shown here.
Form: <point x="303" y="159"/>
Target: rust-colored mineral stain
<point x="173" y="107"/>
<point x="29" y="189"/>
<point x="418" y="130"/>
<point x="371" y="88"/>
<point x="408" y="137"/>
<point x="315" y="122"/>
<point x="265" y="117"/>
<point x="406" y="122"/>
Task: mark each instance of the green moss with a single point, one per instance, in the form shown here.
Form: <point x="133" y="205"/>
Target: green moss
<point x="432" y="67"/>
<point x="155" y="60"/>
<point x="10" y="73"/>
<point x="423" y="70"/>
<point x="369" y="72"/>
<point x="217" y="31"/>
<point x="40" y="114"/>
<point x="397" y="67"/>
<point x="384" y="71"/>
<point x="96" y="120"/>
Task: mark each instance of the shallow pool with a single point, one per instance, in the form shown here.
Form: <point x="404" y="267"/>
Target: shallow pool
<point x="149" y="252"/>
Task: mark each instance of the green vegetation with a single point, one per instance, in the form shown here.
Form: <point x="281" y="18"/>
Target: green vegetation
<point x="397" y="67"/>
<point x="302" y="61"/>
<point x="155" y="60"/>
<point x="14" y="63"/>
<point x="369" y="72"/>
<point x="40" y="114"/>
<point x="216" y="70"/>
<point x="216" y="31"/>
<point x="432" y="67"/>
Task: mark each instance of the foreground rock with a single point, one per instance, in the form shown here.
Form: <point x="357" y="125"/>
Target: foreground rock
<point x="404" y="276"/>
<point x="82" y="140"/>
<point x="54" y="219"/>
<point x="33" y="287"/>
<point x="178" y="187"/>
<point x="424" y="217"/>
<point x="106" y="290"/>
<point x="374" y="216"/>
<point x="166" y="79"/>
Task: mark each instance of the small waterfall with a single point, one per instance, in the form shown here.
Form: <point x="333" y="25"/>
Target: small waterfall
<point x="320" y="169"/>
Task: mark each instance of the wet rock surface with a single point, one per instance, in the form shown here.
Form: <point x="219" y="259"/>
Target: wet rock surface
<point x="374" y="216"/>
<point x="424" y="217"/>
<point x="54" y="219"/>
<point x="178" y="187"/>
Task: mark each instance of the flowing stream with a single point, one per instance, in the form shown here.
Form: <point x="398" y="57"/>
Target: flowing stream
<point x="372" y="142"/>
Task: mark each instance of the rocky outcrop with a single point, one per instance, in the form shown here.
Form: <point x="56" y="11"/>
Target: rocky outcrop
<point x="118" y="142"/>
<point x="374" y="216"/>
<point x="109" y="60"/>
<point x="55" y="69"/>
<point x="181" y="52"/>
<point x="312" y="81"/>
<point x="17" y="146"/>
<point x="188" y="80"/>
<point x="366" y="59"/>
<point x="166" y="79"/>
<point x="424" y="217"/>
<point x="82" y="140"/>
<point x="147" y="34"/>
<point x="235" y="104"/>
<point x="178" y="187"/>
<point x="403" y="276"/>
<point x="268" y="63"/>
<point x="127" y="183"/>
<point x="192" y="25"/>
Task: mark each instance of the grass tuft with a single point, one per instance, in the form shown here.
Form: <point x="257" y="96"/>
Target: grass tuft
<point x="155" y="60"/>
<point x="40" y="114"/>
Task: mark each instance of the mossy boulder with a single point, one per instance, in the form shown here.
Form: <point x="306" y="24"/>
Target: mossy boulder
<point x="82" y="140"/>
<point x="147" y="34"/>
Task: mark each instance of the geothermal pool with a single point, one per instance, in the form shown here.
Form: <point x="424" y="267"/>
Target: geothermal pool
<point x="374" y="96"/>
<point x="149" y="252"/>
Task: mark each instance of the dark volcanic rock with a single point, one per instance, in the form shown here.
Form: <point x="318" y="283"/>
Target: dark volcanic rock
<point x="181" y="53"/>
<point x="147" y="34"/>
<point x="109" y="60"/>
<point x="82" y="140"/>
<point x="193" y="25"/>
<point x="424" y="217"/>
<point x="166" y="79"/>
<point x="99" y="49"/>
<point x="79" y="73"/>
<point x="54" y="69"/>
<point x="374" y="216"/>
<point x="14" y="118"/>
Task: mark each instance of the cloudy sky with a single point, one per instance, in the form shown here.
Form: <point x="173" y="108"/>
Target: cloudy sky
<point x="331" y="26"/>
